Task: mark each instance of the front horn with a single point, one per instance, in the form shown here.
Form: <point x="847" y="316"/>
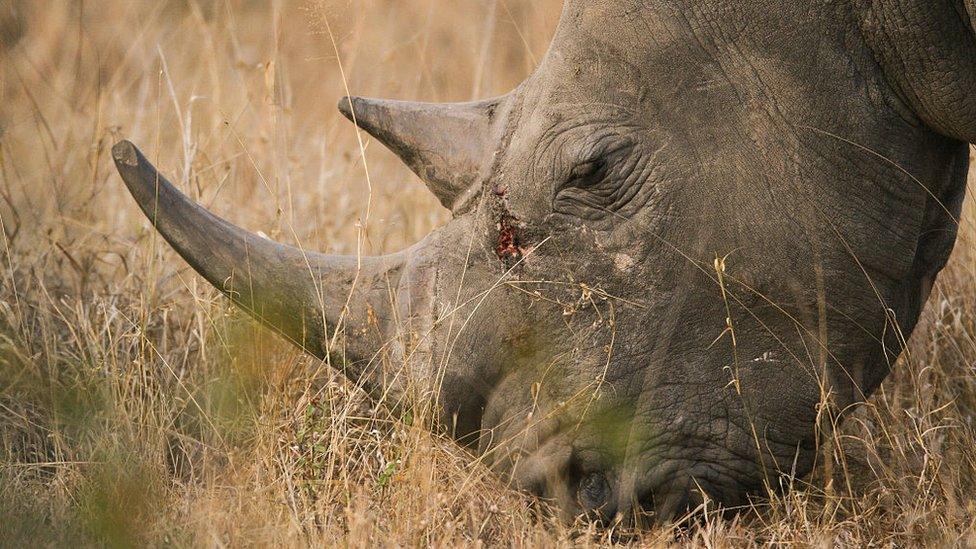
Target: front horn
<point x="301" y="295"/>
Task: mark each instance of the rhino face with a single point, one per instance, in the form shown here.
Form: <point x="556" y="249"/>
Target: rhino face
<point x="673" y="245"/>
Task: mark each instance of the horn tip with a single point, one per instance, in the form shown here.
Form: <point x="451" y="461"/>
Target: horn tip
<point x="124" y="152"/>
<point x="348" y="105"/>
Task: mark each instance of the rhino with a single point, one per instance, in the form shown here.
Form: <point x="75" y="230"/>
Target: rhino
<point x="695" y="229"/>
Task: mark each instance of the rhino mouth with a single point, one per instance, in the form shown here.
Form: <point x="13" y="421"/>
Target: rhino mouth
<point x="613" y="484"/>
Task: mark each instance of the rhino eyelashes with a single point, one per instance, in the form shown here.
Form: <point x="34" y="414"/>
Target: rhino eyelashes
<point x="588" y="176"/>
<point x="588" y="173"/>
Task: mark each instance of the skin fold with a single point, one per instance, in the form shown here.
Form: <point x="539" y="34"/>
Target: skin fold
<point x="695" y="225"/>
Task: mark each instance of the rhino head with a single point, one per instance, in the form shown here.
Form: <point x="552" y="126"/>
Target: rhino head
<point x="693" y="226"/>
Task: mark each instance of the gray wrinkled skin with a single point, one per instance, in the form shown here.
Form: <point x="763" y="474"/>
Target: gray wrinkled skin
<point x="692" y="223"/>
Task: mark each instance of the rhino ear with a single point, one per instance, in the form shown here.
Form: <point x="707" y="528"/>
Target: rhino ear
<point x="449" y="145"/>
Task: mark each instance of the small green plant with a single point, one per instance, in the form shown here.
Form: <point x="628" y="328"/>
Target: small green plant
<point x="386" y="475"/>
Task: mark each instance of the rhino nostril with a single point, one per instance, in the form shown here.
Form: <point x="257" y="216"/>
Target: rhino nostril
<point x="593" y="493"/>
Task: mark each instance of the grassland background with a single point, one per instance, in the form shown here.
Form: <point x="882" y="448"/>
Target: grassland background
<point x="136" y="407"/>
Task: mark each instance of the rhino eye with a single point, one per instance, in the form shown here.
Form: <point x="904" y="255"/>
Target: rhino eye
<point x="588" y="174"/>
<point x="602" y="187"/>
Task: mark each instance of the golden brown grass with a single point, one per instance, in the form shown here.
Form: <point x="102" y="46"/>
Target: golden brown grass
<point x="136" y="407"/>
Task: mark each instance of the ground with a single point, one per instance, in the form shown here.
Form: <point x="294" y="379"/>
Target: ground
<point x="137" y="407"/>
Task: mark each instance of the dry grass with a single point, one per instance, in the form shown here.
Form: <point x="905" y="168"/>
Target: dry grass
<point x="137" y="408"/>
